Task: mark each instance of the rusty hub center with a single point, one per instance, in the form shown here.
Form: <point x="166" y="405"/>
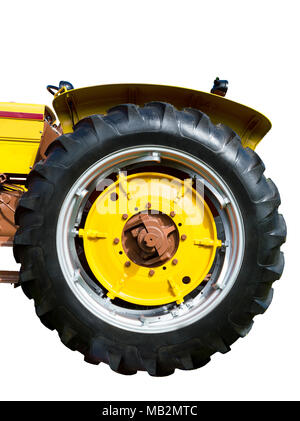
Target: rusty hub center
<point x="150" y="239"/>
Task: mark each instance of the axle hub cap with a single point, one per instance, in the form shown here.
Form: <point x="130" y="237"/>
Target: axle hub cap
<point x="150" y="239"/>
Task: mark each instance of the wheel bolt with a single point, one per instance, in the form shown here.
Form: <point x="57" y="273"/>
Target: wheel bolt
<point x="151" y="272"/>
<point x="127" y="263"/>
<point x="172" y="213"/>
<point x="116" y="241"/>
<point x="174" y="262"/>
<point x="183" y="237"/>
<point x="124" y="216"/>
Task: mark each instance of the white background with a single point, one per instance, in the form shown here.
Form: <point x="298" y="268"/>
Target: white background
<point x="254" y="44"/>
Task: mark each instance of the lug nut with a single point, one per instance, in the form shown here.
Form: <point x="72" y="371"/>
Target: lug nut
<point x="127" y="263"/>
<point x="124" y="216"/>
<point x="148" y="205"/>
<point x="174" y="262"/>
<point x="183" y="237"/>
<point x="172" y="214"/>
<point x="151" y="272"/>
<point x="116" y="241"/>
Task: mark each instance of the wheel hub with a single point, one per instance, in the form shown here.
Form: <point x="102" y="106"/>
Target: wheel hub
<point x="163" y="254"/>
<point x="150" y="240"/>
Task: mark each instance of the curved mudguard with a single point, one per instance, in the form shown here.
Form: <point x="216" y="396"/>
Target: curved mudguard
<point x="71" y="106"/>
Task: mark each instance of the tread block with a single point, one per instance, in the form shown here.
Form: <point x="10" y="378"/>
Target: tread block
<point x="27" y="275"/>
<point x="242" y="331"/>
<point x="134" y="121"/>
<point x="269" y="202"/>
<point x="91" y="360"/>
<point x="67" y="335"/>
<point x="198" y="118"/>
<point x="274" y="271"/>
<point x="217" y="344"/>
<point x="27" y="237"/>
<point x="30" y="202"/>
<point x="186" y="362"/>
<point x="114" y="360"/>
<point x="50" y="172"/>
<point x="103" y="127"/>
<point x="199" y="361"/>
<point x="150" y="364"/>
<point x="260" y="305"/>
<point x="44" y="306"/>
<point x="167" y="115"/>
<point x="278" y="234"/>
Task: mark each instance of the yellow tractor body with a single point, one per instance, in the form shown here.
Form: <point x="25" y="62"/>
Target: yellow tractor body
<point x="21" y="130"/>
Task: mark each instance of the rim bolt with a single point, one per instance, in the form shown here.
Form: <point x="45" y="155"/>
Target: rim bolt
<point x="172" y="214"/>
<point x="124" y="216"/>
<point x="127" y="263"/>
<point x="148" y="205"/>
<point x="183" y="237"/>
<point x="151" y="272"/>
<point x="116" y="241"/>
<point x="174" y="262"/>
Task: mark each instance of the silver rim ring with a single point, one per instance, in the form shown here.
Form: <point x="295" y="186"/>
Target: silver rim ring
<point x="168" y="317"/>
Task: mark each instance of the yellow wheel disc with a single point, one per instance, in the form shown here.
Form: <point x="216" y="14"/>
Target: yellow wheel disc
<point x="150" y="239"/>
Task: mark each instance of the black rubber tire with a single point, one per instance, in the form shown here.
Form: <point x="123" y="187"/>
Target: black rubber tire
<point x="35" y="246"/>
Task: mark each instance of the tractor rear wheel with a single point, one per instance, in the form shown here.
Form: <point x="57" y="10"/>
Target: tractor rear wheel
<point x="149" y="238"/>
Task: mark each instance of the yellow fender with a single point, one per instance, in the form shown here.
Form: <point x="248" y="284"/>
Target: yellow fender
<point x="72" y="106"/>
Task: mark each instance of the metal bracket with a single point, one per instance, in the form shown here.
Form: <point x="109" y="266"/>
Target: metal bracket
<point x="220" y="87"/>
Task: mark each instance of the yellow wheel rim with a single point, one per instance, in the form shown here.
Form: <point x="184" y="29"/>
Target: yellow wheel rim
<point x="193" y="231"/>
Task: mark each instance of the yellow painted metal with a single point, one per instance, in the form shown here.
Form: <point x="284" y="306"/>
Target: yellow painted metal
<point x="19" y="137"/>
<point x="107" y="260"/>
<point x="71" y="106"/>
<point x="60" y="91"/>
